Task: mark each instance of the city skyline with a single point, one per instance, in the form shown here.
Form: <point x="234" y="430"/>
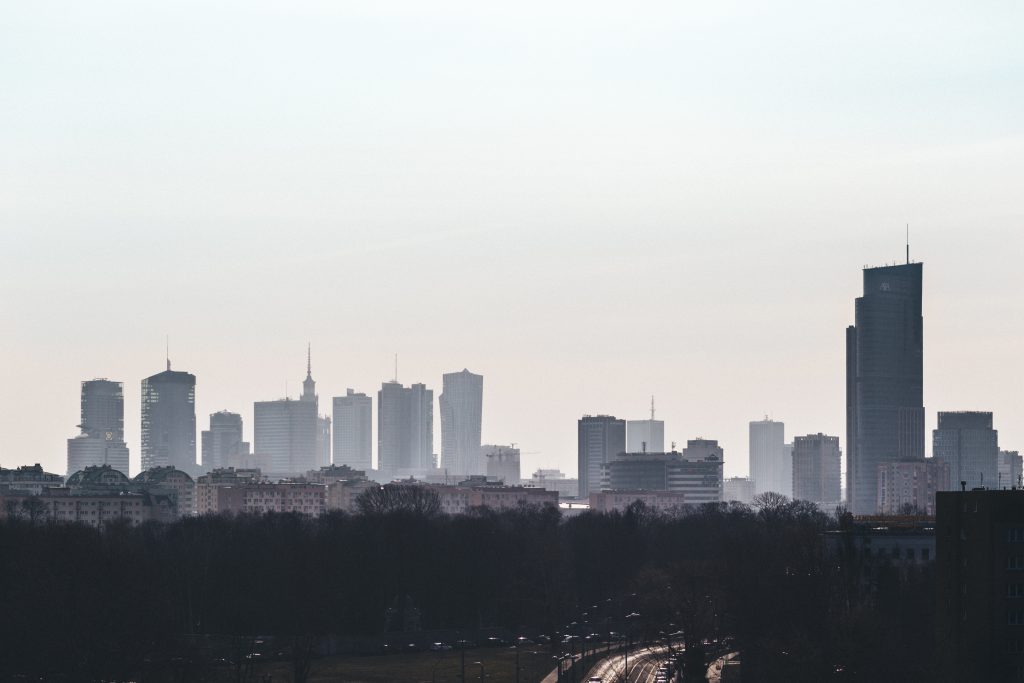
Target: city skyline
<point x="714" y="177"/>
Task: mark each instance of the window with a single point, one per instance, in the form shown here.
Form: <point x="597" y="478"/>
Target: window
<point x="1015" y="617"/>
<point x="1015" y="535"/>
<point x="1015" y="562"/>
<point x="926" y="554"/>
<point x="1015" y="590"/>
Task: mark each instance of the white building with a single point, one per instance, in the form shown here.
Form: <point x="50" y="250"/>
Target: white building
<point x="771" y="463"/>
<point x="645" y="436"/>
<point x="353" y="437"/>
<point x="738" y="489"/>
<point x="461" y="404"/>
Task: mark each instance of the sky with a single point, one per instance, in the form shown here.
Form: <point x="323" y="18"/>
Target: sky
<point x="589" y="203"/>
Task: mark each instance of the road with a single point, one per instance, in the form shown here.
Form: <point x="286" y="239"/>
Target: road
<point x="643" y="665"/>
<point x="715" y="670"/>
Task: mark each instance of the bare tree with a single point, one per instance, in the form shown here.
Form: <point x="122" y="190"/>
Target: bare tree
<point x="412" y="498"/>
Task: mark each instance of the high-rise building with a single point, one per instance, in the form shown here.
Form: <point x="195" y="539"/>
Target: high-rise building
<point x="169" y="420"/>
<point x="599" y="439"/>
<point x="405" y="428"/>
<point x="817" y="469"/>
<point x="909" y="486"/>
<point x="697" y="472"/>
<point x="461" y="404"/>
<point x="1010" y="469"/>
<point x="502" y="463"/>
<point x="285" y="433"/>
<point x="884" y="380"/>
<point x="222" y="444"/>
<point x="101" y="441"/>
<point x="353" y="438"/>
<point x="770" y="467"/>
<point x="323" y="423"/>
<point x="967" y="442"/>
<point x="645" y="436"/>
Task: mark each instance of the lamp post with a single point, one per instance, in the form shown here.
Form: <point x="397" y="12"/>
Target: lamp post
<point x="481" y="665"/>
<point x="629" y="634"/>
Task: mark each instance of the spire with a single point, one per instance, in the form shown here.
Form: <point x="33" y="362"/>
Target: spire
<point x="308" y="385"/>
<point x="309" y="359"/>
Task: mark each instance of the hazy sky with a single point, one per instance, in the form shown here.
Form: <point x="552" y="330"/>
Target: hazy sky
<point x="586" y="202"/>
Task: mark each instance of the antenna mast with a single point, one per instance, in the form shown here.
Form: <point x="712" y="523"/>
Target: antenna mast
<point x="167" y="350"/>
<point x="908" y="243"/>
<point x="396" y="368"/>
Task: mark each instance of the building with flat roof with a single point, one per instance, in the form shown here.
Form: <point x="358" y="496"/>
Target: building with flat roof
<point x="738" y="489"/>
<point x="967" y="442"/>
<point x="259" y="498"/>
<point x="554" y="480"/>
<point x="770" y="467"/>
<point x="101" y="441"/>
<point x="223" y="444"/>
<point x="698" y="475"/>
<point x="169" y="421"/>
<point x="1010" y="470"/>
<point x="884" y="380"/>
<point x="207" y="484"/>
<point x="599" y="439"/>
<point x="173" y="482"/>
<point x="95" y="509"/>
<point x="645" y="435"/>
<point x="817" y="469"/>
<point x="405" y="429"/>
<point x="909" y="486"/>
<point x="461" y="404"/>
<point x="353" y="436"/>
<point x="619" y="501"/>
<point x="502" y="463"/>
<point x="30" y="479"/>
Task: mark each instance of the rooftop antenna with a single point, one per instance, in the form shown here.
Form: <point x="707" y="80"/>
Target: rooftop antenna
<point x="908" y="243"/>
<point x="167" y="350"/>
<point x="396" y="368"/>
<point x="652" y="409"/>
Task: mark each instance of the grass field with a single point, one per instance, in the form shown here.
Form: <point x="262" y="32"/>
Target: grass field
<point x="499" y="666"/>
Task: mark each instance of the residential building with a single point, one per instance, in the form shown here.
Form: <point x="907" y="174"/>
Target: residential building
<point x="619" y="501"/>
<point x="770" y="468"/>
<point x="738" y="489"/>
<point x="980" y="572"/>
<point x="169" y="421"/>
<point x="176" y="484"/>
<point x="1010" y="470"/>
<point x="502" y="463"/>
<point x="97" y="509"/>
<point x="223" y="444"/>
<point x="207" y="484"/>
<point x="342" y="494"/>
<point x="600" y="438"/>
<point x="353" y="438"/>
<point x="817" y="469"/>
<point x="101" y="441"/>
<point x="405" y="429"/>
<point x="910" y="486"/>
<point x="461" y="404"/>
<point x="29" y="479"/>
<point x="969" y="444"/>
<point x="884" y="380"/>
<point x="263" y="497"/>
<point x="98" y="478"/>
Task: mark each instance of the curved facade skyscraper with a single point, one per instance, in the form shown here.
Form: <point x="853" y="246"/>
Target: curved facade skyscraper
<point x="884" y="380"/>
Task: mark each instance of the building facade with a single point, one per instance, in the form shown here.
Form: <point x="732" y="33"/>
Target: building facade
<point x="29" y="479"/>
<point x="884" y="380"/>
<point x="967" y="442"/>
<point x="405" y="428"/>
<point x="285" y="433"/>
<point x="353" y="437"/>
<point x="911" y="485"/>
<point x="619" y="501"/>
<point x="207" y="485"/>
<point x="176" y="484"/>
<point x="555" y="480"/>
<point x="817" y="469"/>
<point x="738" y="489"/>
<point x="645" y="436"/>
<point x="223" y="444"/>
<point x="263" y="497"/>
<point x="101" y="441"/>
<point x="599" y="439"/>
<point x="169" y="420"/>
<point x="698" y="474"/>
<point x="502" y="463"/>
<point x="461" y="404"/>
<point x="1010" y="470"/>
<point x="770" y="469"/>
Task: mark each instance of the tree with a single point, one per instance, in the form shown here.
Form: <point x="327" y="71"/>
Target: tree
<point x="410" y="498"/>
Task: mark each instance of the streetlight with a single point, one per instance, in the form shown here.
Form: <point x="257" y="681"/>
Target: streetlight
<point x="481" y="665"/>
<point x="629" y="634"/>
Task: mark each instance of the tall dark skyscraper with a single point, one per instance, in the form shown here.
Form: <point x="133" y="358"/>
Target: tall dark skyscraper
<point x="884" y="380"/>
<point x="169" y="420"/>
<point x="600" y="439"/>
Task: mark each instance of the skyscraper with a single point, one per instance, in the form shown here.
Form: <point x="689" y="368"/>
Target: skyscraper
<point x="288" y="433"/>
<point x="884" y="380"/>
<point x="461" y="405"/>
<point x="101" y="441"/>
<point x="967" y="442"/>
<point x="817" y="469"/>
<point x="323" y="422"/>
<point x="222" y="444"/>
<point x="405" y="428"/>
<point x="599" y="439"/>
<point x="645" y="436"/>
<point x="771" y="468"/>
<point x="169" y="421"/>
<point x="353" y="438"/>
<point x="1011" y="469"/>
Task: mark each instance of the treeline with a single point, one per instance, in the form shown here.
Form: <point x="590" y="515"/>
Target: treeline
<point x="81" y="604"/>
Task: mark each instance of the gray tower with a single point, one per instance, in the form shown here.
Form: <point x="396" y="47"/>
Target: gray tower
<point x="884" y="380"/>
<point x="405" y="428"/>
<point x="967" y="442"/>
<point x="101" y="441"/>
<point x="222" y="444"/>
<point x="771" y="468"/>
<point x="599" y="439"/>
<point x="461" y="405"/>
<point x="817" y="467"/>
<point x="353" y="438"/>
<point x="169" y="421"/>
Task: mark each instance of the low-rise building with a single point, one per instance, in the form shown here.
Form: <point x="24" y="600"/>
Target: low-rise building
<point x="738" y="489"/>
<point x="910" y="485"/>
<point x="662" y="501"/>
<point x="343" y="493"/>
<point x="169" y="480"/>
<point x="63" y="505"/>
<point x="207" y="485"/>
<point x="554" y="480"/>
<point x="263" y="497"/>
<point x="697" y="473"/>
<point x="502" y="463"/>
<point x="28" y="478"/>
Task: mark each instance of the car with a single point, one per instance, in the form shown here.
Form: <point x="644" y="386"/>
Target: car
<point x="440" y="647"/>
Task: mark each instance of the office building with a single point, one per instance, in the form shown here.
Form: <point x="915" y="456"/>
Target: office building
<point x="555" y="480"/>
<point x="599" y="439"/>
<point x="285" y="434"/>
<point x="817" y="469"/>
<point x="980" y="572"/>
<point x="405" y="429"/>
<point x="884" y="380"/>
<point x="969" y="445"/>
<point x="323" y="440"/>
<point x="645" y="436"/>
<point x="353" y="437"/>
<point x="502" y="463"/>
<point x="101" y="441"/>
<point x="169" y="420"/>
<point x="738" y="489"/>
<point x="909" y="486"/>
<point x="1010" y="470"/>
<point x="697" y="472"/>
<point x="461" y="404"/>
<point x="222" y="444"/>
<point x="770" y="468"/>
